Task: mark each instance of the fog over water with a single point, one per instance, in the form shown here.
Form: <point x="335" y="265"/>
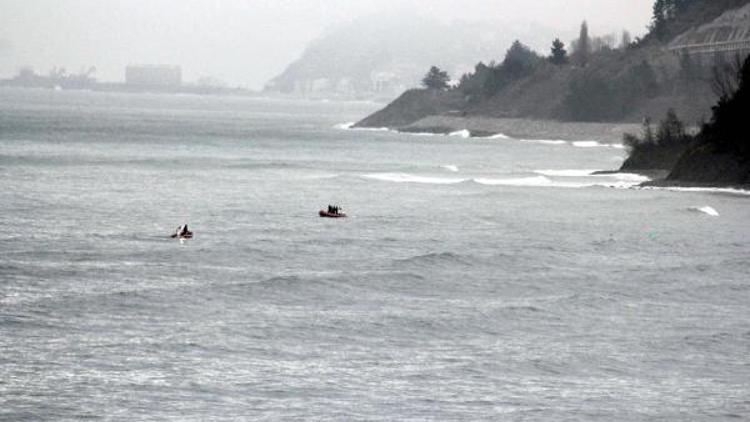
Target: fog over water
<point x="247" y="42"/>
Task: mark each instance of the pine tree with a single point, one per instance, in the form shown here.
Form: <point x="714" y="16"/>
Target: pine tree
<point x="559" y="54"/>
<point x="436" y="79"/>
<point x="583" y="46"/>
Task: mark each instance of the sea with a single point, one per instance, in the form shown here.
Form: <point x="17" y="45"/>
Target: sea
<point x="474" y="278"/>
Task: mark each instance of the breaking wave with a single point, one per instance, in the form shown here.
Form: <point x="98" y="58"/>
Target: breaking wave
<point x="344" y="126"/>
<point x="545" y="141"/>
<point x="410" y="178"/>
<point x="624" y="177"/>
<point x="565" y="173"/>
<point x="729" y="191"/>
<point x="450" y="167"/>
<point x="596" y="144"/>
<point x="461" y="134"/>
<point x="530" y="181"/>
<point x="350" y="126"/>
<point x="705" y="210"/>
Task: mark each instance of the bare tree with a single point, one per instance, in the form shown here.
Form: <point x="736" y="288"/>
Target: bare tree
<point x="725" y="75"/>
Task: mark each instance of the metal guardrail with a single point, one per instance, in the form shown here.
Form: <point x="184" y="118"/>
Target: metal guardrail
<point x="708" y="48"/>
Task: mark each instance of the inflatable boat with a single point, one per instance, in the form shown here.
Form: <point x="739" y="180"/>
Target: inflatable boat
<point x="326" y="214"/>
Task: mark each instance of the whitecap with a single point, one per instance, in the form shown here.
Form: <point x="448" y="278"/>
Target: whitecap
<point x="628" y="177"/>
<point x="419" y="133"/>
<point x="461" y="133"/>
<point x="499" y="136"/>
<point x="565" y="173"/>
<point x="705" y="210"/>
<point x="411" y="178"/>
<point x="344" y="126"/>
<point x="542" y="181"/>
<point x="545" y="141"/>
<point x="587" y="144"/>
<point x="732" y="191"/>
<point x="523" y="181"/>
<point x="318" y="176"/>
<point x="450" y="167"/>
<point x="366" y="129"/>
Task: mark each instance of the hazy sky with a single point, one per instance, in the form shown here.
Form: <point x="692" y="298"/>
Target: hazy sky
<point x="243" y="42"/>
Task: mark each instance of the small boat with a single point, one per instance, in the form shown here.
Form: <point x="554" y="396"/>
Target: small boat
<point x="326" y="214"/>
<point x="188" y="235"/>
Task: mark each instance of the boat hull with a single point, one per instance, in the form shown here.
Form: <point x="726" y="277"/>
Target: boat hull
<point x="326" y="214"/>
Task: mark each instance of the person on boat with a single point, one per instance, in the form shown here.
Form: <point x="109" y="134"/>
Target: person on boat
<point x="182" y="231"/>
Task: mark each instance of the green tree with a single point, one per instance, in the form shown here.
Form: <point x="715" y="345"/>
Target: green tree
<point x="436" y="79"/>
<point x="583" y="46"/>
<point x="559" y="54"/>
<point x="671" y="129"/>
<point x="659" y="18"/>
<point x="519" y="61"/>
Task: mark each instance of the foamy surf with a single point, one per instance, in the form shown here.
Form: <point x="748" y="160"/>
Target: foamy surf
<point x="705" y="210"/>
<point x="546" y="182"/>
<point x="565" y="173"/>
<point x="632" y="178"/>
<point x="450" y="167"/>
<point x="545" y="141"/>
<point x="344" y="126"/>
<point x="461" y="134"/>
<point x="410" y="178"/>
<point x="425" y="134"/>
<point x="596" y="144"/>
<point x="350" y="126"/>
<point x="522" y="181"/>
<point x="587" y="144"/>
<point x="628" y="177"/>
<point x="731" y="191"/>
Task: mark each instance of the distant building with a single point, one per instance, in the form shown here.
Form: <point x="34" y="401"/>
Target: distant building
<point x="153" y="76"/>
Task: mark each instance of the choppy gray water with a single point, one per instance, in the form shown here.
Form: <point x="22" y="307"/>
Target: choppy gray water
<point x="477" y="279"/>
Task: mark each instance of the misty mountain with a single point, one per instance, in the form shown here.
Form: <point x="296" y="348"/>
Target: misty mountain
<point x="384" y="55"/>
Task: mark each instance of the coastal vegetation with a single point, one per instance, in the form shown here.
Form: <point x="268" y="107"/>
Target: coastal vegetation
<point x="718" y="154"/>
<point x="594" y="78"/>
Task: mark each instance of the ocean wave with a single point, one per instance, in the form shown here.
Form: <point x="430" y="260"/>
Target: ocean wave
<point x="350" y="126"/>
<point x="545" y="141"/>
<point x="426" y="134"/>
<point x="543" y="181"/>
<point x="565" y="173"/>
<point x="344" y="126"/>
<point x="461" y="133"/>
<point x="627" y="177"/>
<point x="433" y="259"/>
<point x="596" y="144"/>
<point x="522" y="181"/>
<point x="450" y="167"/>
<point x="499" y="136"/>
<point x="317" y="176"/>
<point x="410" y="178"/>
<point x="624" y="177"/>
<point x="729" y="191"/>
<point x="587" y="144"/>
<point x="705" y="210"/>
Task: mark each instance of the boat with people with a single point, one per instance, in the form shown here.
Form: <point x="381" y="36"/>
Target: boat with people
<point x="182" y="232"/>
<point x="334" y="211"/>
